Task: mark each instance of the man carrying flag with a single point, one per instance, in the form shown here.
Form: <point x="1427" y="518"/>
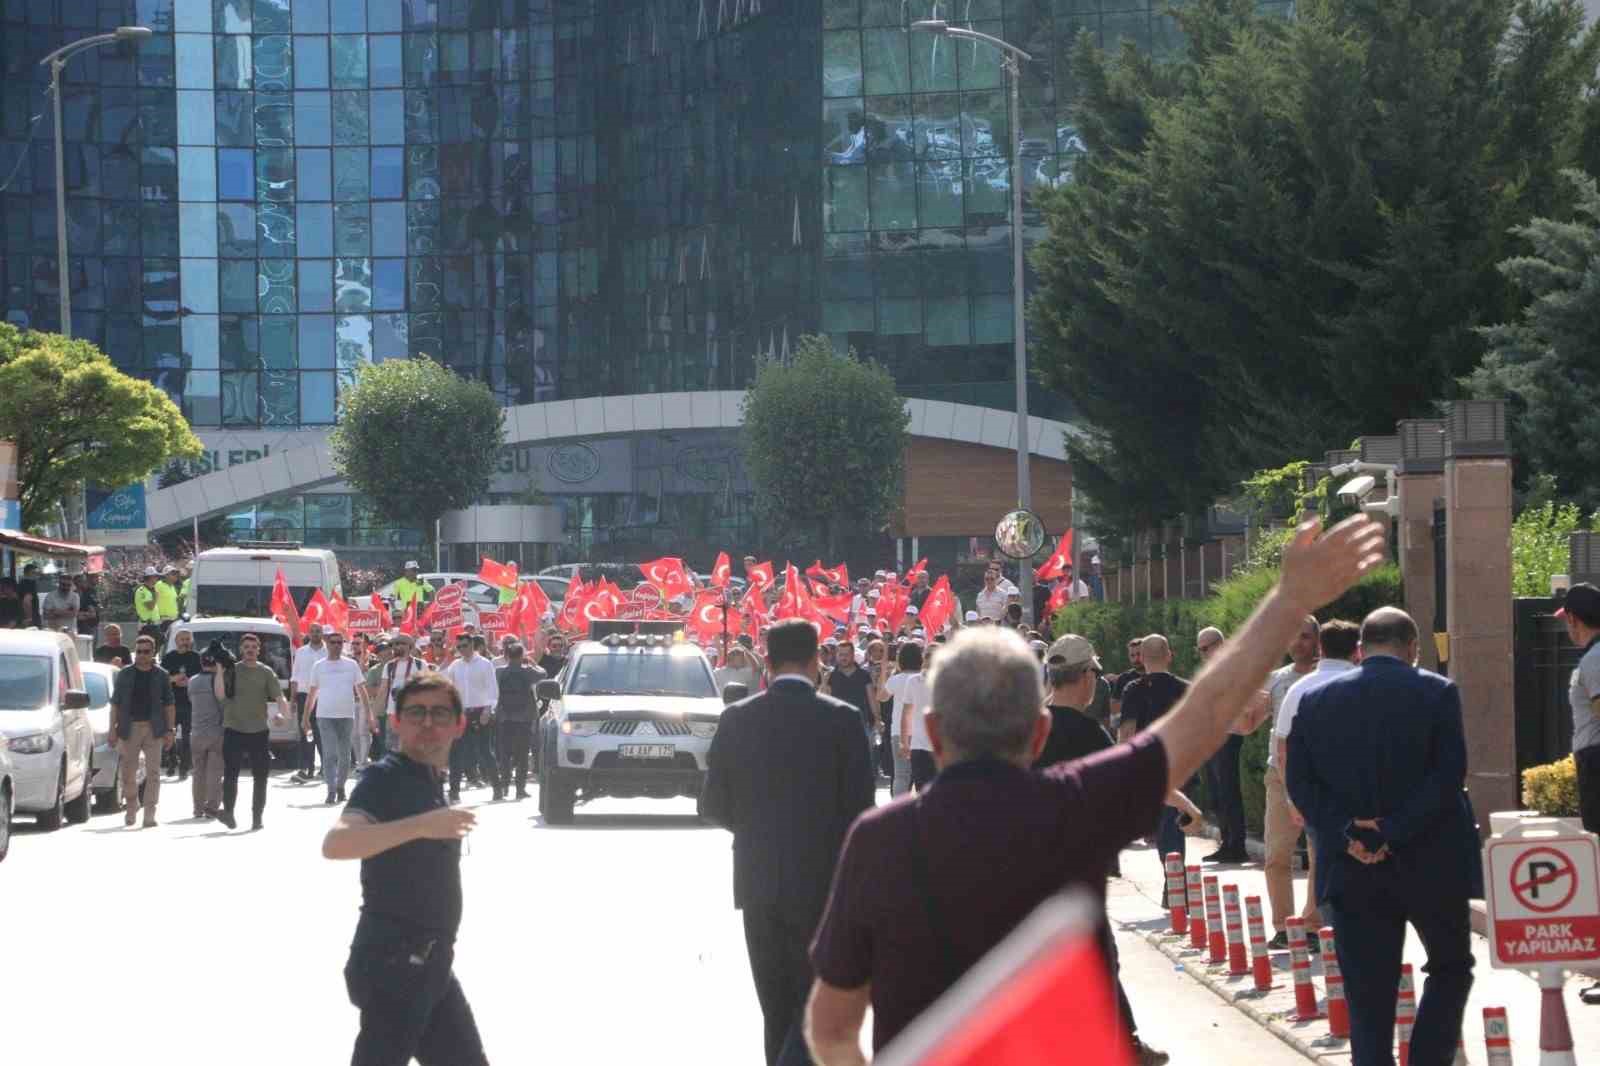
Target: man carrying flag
<point x="503" y="576"/>
<point x="987" y="811"/>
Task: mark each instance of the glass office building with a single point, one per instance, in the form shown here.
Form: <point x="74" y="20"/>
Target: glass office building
<point x="562" y="198"/>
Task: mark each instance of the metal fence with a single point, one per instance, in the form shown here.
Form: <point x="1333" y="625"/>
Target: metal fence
<point x="1544" y="661"/>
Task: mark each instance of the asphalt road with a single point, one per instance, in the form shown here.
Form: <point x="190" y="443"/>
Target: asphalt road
<point x="610" y="941"/>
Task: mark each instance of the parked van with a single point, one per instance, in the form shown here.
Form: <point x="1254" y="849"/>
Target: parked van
<point x="238" y="580"/>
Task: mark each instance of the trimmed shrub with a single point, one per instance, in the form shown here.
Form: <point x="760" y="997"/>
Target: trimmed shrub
<point x="1552" y="789"/>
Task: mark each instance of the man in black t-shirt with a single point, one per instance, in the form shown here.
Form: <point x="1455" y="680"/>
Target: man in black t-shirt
<point x="181" y="664"/>
<point x="514" y="716"/>
<point x="555" y="655"/>
<point x="852" y="684"/>
<point x="1144" y="701"/>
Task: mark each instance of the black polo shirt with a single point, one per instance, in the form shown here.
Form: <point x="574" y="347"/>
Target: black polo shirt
<point x="418" y="884"/>
<point x="855" y="688"/>
<point x="1073" y="735"/>
<point x="1150" y="697"/>
<point x="1123" y="680"/>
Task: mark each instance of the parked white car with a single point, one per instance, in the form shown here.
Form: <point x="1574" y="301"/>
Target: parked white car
<point x="276" y="652"/>
<point x="44" y="724"/>
<point x="8" y="798"/>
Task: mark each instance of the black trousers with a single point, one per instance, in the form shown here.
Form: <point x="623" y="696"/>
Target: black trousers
<point x="411" y="1004"/>
<point x="1222" y="779"/>
<point x="782" y="970"/>
<point x="236" y="747"/>
<point x="512" y="743"/>
<point x="923" y="769"/>
<point x="1369" y="926"/>
<point x="469" y="755"/>
<point x="1588" y="761"/>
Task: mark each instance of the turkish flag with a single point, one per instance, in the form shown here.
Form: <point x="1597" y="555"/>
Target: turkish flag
<point x="1060" y="596"/>
<point x="408" y="621"/>
<point x="1059" y="560"/>
<point x="839" y="575"/>
<point x="283" y="608"/>
<point x="759" y="574"/>
<point x="529" y="608"/>
<point x="911" y="575"/>
<point x="936" y="609"/>
<point x="705" y="618"/>
<point x="339" y="612"/>
<point x="835" y="607"/>
<point x="383" y="611"/>
<point x="318" y="610"/>
<point x="1042" y="995"/>
<point x="892" y="603"/>
<point x="571" y="617"/>
<point x="500" y="575"/>
<point x="668" y="575"/>
<point x="721" y="571"/>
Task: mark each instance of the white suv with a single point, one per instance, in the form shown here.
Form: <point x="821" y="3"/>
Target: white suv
<point x="630" y="716"/>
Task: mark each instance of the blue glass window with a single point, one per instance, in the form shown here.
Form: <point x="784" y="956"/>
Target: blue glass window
<point x="310" y="16"/>
<point x="316" y="398"/>
<point x="193" y="60"/>
<point x="197" y="230"/>
<point x="388" y="117"/>
<point x="313" y="118"/>
<point x="201" y="341"/>
<point x="311" y="62"/>
<point x="384" y="59"/>
<point x="388" y="174"/>
<point x="197" y="122"/>
<point x="316" y="285"/>
<point x="236" y="174"/>
<point x="383" y="16"/>
<point x="316" y="342"/>
<point x="200" y="286"/>
<point x="349" y="16"/>
<point x="389" y="228"/>
<point x="279" y="342"/>
<point x="316" y="230"/>
<point x="313" y="173"/>
<point x="197" y="174"/>
<point x="236" y="231"/>
<point x="238" y="282"/>
<point x="388" y="284"/>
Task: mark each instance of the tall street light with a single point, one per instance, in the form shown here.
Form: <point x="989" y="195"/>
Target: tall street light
<point x="1011" y="58"/>
<point x="56" y="61"/>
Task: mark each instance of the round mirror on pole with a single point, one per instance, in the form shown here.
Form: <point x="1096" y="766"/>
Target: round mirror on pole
<point x="1020" y="535"/>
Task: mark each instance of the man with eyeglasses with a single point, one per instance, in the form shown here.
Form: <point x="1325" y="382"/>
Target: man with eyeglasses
<point x="144" y="718"/>
<point x="409" y="842"/>
<point x="251" y="697"/>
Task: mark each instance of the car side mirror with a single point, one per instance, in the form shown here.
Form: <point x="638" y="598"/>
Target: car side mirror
<point x="75" y="699"/>
<point x="547" y="690"/>
<point x="734" y="691"/>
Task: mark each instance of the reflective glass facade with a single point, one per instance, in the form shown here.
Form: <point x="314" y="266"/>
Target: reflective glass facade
<point x="563" y="198"/>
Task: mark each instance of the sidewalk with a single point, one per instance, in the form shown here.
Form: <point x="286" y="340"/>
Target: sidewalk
<point x="1133" y="902"/>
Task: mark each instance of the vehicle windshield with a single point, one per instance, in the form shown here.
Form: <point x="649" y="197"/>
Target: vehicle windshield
<point x="24" y="682"/>
<point x="247" y="601"/>
<point x="640" y="674"/>
<point x="275" y="650"/>
<point x="98" y="687"/>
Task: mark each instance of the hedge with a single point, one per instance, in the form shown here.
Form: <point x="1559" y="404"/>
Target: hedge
<point x="1109" y="626"/>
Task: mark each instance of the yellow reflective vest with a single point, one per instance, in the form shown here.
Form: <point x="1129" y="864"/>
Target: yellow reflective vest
<point x="166" y="600"/>
<point x="144" y="604"/>
<point x="406" y="590"/>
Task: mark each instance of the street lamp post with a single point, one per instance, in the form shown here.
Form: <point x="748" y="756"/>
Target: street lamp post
<point x="1012" y="59"/>
<point x="56" y="60"/>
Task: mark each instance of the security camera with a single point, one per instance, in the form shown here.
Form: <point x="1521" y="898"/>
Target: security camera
<point x="1357" y="489"/>
<point x="1389" y="508"/>
<point x="1342" y="470"/>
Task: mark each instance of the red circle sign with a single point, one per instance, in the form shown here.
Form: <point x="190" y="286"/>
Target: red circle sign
<point x="449" y="596"/>
<point x="1547" y="885"/>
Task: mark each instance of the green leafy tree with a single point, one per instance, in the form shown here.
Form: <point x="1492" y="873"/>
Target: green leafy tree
<point x="1540" y="545"/>
<point x="75" y="417"/>
<point x="417" y="440"/>
<point x="1287" y="236"/>
<point x="824" y="442"/>
<point x="1543" y="362"/>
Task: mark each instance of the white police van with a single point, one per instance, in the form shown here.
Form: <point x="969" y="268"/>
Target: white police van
<point x="631" y="715"/>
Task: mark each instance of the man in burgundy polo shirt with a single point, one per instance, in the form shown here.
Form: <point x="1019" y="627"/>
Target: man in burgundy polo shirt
<point x="990" y="840"/>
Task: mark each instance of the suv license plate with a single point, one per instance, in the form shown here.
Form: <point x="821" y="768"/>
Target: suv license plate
<point x="646" y="751"/>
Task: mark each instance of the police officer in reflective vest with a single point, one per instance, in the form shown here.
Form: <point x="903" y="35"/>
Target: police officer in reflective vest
<point x="167" y="597"/>
<point x="409" y="843"/>
<point x="146" y="604"/>
<point x="411" y="588"/>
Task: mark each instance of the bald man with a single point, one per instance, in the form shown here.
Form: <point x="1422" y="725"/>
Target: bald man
<point x="1145" y="701"/>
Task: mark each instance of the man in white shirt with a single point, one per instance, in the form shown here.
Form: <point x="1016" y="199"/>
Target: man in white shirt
<point x="1337" y="643"/>
<point x="309" y="745"/>
<point x="474" y="677"/>
<point x="991" y="599"/>
<point x="861" y="601"/>
<point x="338" y="700"/>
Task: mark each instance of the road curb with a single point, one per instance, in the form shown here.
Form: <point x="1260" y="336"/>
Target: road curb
<point x="1322" y="1050"/>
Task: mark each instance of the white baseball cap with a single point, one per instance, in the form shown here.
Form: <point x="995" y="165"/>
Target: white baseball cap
<point x="411" y="564"/>
<point x="912" y="610"/>
<point x="151" y="571"/>
<point x="972" y="616"/>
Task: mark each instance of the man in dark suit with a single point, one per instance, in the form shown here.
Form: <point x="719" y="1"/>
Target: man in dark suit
<point x="788" y="772"/>
<point x="1377" y="765"/>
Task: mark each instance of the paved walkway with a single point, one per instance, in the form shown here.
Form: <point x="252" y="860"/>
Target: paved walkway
<point x="1134" y="903"/>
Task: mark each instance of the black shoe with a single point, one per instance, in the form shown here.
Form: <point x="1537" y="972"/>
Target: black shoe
<point x="226" y="818"/>
<point x="522" y="794"/>
<point x="331" y="800"/>
<point x="340" y="794"/>
<point x="455" y="795"/>
<point x="1227" y="857"/>
<point x="255" y="826"/>
<point x="1279" y="942"/>
<point x="1313" y="945"/>
<point x="1145" y="1055"/>
<point x="498" y="795"/>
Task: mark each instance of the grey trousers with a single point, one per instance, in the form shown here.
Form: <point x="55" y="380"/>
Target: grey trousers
<point x="207" y="781"/>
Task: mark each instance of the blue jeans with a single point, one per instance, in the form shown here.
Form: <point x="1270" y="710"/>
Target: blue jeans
<point x="337" y="735"/>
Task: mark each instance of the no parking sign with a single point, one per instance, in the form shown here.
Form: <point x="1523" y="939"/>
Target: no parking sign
<point x="1543" y="896"/>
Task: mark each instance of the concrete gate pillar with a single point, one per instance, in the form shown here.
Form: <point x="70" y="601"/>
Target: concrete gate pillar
<point x="1420" y="480"/>
<point x="1477" y="493"/>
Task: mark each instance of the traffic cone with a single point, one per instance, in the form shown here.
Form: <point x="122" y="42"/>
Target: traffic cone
<point x="1233" y="922"/>
<point x="1338" y="1009"/>
<point x="1305" y="993"/>
<point x="1497" y="1036"/>
<point x="1197" y="908"/>
<point x="1177" y="900"/>
<point x="1555" y="1035"/>
<point x="1260" y="961"/>
<point x="1405" y="1012"/>
<point x="1214" y="934"/>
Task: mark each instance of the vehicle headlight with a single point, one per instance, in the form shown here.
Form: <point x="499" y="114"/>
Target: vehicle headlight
<point x="580" y="729"/>
<point x="703" y="730"/>
<point x="36" y="744"/>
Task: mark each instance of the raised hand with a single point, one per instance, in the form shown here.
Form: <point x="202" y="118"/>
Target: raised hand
<point x="1318" y="570"/>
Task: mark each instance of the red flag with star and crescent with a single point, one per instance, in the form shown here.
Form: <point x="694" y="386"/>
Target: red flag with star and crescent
<point x="668" y="575"/>
<point x="759" y="574"/>
<point x="1059" y="560"/>
<point x="705" y="618"/>
<point x="283" y="608"/>
<point x="721" y="571"/>
<point x="838" y="575"/>
<point x="384" y="621"/>
<point x="936" y="609"/>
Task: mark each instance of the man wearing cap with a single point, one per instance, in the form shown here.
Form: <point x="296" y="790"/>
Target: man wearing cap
<point x="145" y="603"/>
<point x="409" y="588"/>
<point x="1581" y="613"/>
<point x="167" y="596"/>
